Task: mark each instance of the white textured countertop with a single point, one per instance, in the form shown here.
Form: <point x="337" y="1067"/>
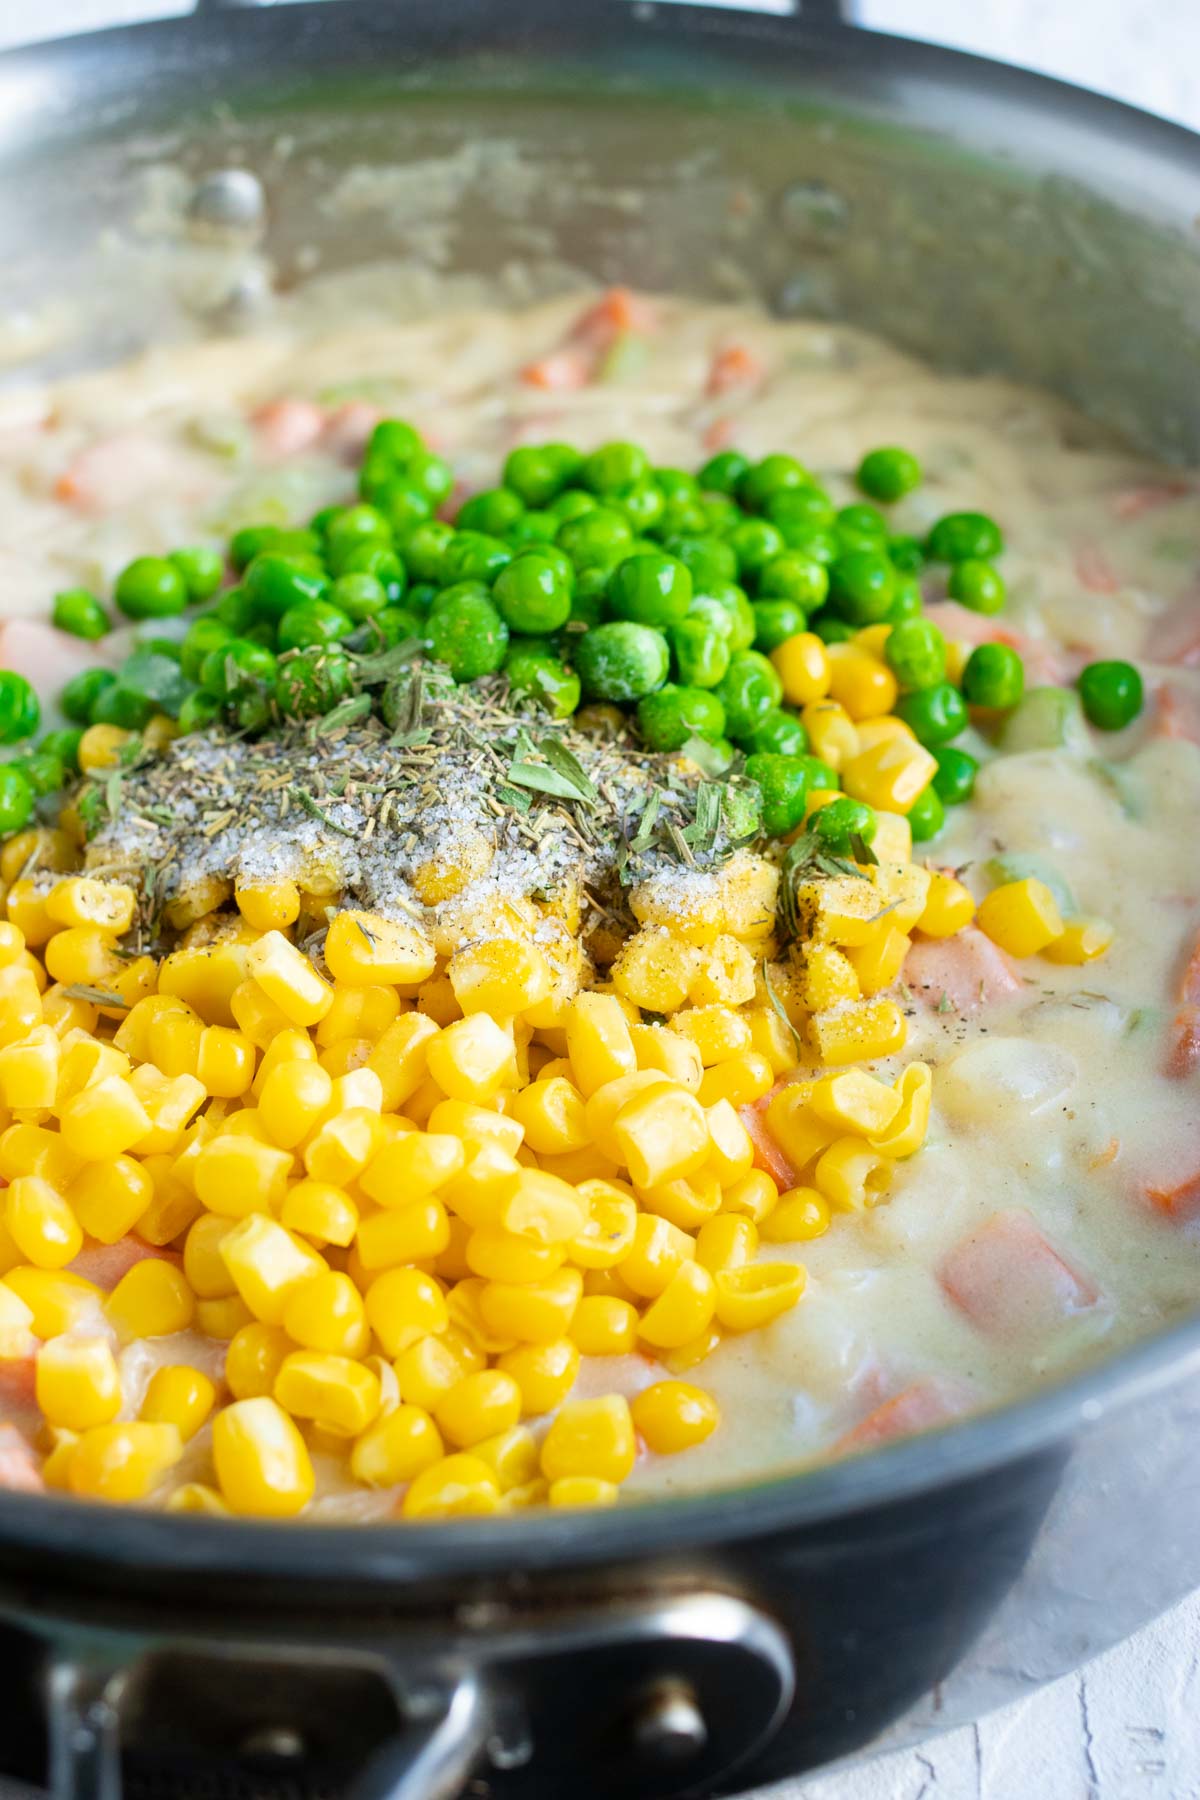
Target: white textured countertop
<point x="1128" y="1726"/>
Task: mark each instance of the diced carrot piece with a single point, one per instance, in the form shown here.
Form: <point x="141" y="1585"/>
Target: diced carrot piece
<point x="1132" y="502"/>
<point x="1178" y="713"/>
<point x="767" y="1154"/>
<point x="1174" y="637"/>
<point x="961" y="973"/>
<point x="116" y="471"/>
<point x="617" y="311"/>
<point x="1180" y="1200"/>
<point x="561" y="371"/>
<point x="19" y="1471"/>
<point x="734" y="366"/>
<point x="286" y="427"/>
<point x="931" y="1401"/>
<point x="1183" y="1037"/>
<point x="348" y="427"/>
<point x="18" y="1377"/>
<point x="1011" y="1282"/>
<point x="1094" y="571"/>
<point x="719" y="435"/>
<point x="105" y="1264"/>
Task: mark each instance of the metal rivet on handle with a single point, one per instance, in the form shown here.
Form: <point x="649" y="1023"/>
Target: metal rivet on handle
<point x="274" y="1740"/>
<point x="229" y="201"/>
<point x="669" y="1724"/>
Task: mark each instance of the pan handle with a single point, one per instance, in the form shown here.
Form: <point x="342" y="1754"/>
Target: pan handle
<point x="821" y="12"/>
<point x="432" y="1759"/>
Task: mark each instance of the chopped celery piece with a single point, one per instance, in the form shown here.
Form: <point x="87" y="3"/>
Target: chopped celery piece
<point x="1048" y="718"/>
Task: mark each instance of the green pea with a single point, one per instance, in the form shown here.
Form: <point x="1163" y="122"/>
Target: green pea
<point x="536" y="473"/>
<point x="597" y="539"/>
<point x="403" y="506"/>
<point x="16" y="799"/>
<point x="621" y="661"/>
<point x="841" y="822"/>
<point x="539" y="675"/>
<point x="321" y="521"/>
<point x="150" y="587"/>
<point x="934" y="714"/>
<point x="720" y="514"/>
<point x="799" y="510"/>
<point x="749" y="689"/>
<point x="723" y="472"/>
<point x="956" y="772"/>
<point x="394" y="440"/>
<point x="778" y="733"/>
<point x="783" y="782"/>
<point x="122" y="705"/>
<point x="820" y="776"/>
<point x="203" y="570"/>
<point x="615" y="467"/>
<point x="907" y="554"/>
<point x="589" y="602"/>
<point x="198" y="712"/>
<point x="726" y="606"/>
<point x="237" y="665"/>
<point x="471" y="556"/>
<point x="235" y="609"/>
<point x="829" y="628"/>
<point x="468" y="634"/>
<point x="889" y="474"/>
<point x="20" y="714"/>
<point x="79" y="612"/>
<point x="424" y="547"/>
<point x="249" y="710"/>
<point x="311" y="682"/>
<point x="862" y="583"/>
<point x="79" y="696"/>
<point x="64" y="745"/>
<point x="670" y="717"/>
<point x="431" y="476"/>
<point x="771" y="476"/>
<point x="251" y="541"/>
<point x="277" y="583"/>
<point x="651" y="589"/>
<point x="978" y="585"/>
<point x="263" y="633"/>
<point x="350" y="528"/>
<point x="572" y="503"/>
<point x="926" y="815"/>
<point x="317" y="622"/>
<point x="532" y="530"/>
<point x="795" y="577"/>
<point x="381" y="561"/>
<point x="42" y="770"/>
<point x="677" y="486"/>
<point x="1111" y="693"/>
<point x="708" y="559"/>
<point x="642" y="504"/>
<point x="421" y="597"/>
<point x="204" y="635"/>
<point x="994" y="676"/>
<point x="907" y="600"/>
<point x="358" y="596"/>
<point x="775" y="621"/>
<point x="817" y="542"/>
<point x="532" y="595"/>
<point x="493" y="512"/>
<point x="959" y="536"/>
<point x="755" y="543"/>
<point x="858" y="523"/>
<point x="700" y="652"/>
<point x="915" y="652"/>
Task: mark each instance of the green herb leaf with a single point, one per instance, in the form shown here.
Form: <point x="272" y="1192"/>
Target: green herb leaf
<point x="318" y="812"/>
<point x="643" y="837"/>
<point x="510" y="796"/>
<point x="863" y="852"/>
<point x="358" y="707"/>
<point x="710" y="759"/>
<point x="780" y="1009"/>
<point x="376" y="669"/>
<point x="79" y="990"/>
<point x="570" y="768"/>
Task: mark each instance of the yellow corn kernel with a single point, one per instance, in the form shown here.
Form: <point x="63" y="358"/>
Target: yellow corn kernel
<point x="458" y="1486"/>
<point x="822" y="976"/>
<point x="363" y="949"/>
<point x="206" y="1269"/>
<point x="795" y="1127"/>
<point x="608" y="1234"/>
<point x="553" y="1116"/>
<point x="658" y="1250"/>
<point x="726" y="1241"/>
<point x="855" y="1102"/>
<point x="948" y="906"/>
<point x="753" y="1294"/>
<point x="222" y="1319"/>
<point x="196" y="1497"/>
<point x="37" y="850"/>
<point x="1021" y="916"/>
<point x="718" y="1032"/>
<point x="663" y="1050"/>
<point x="342" y="1147"/>
<point x="20" y="1004"/>
<point x="12" y="944"/>
<point x="601" y="1110"/>
<point x="512" y="1456"/>
<point x="288" y="978"/>
<point x="267" y="1264"/>
<point x="893" y="840"/>
<point x="29" y="962"/>
<point x="83" y="953"/>
<point x="225" y="1064"/>
<point x="802" y="664"/>
<point x="860" y="682"/>
<point x="802" y="1213"/>
<point x="858" y="1032"/>
<point x="204" y="894"/>
<point x="27" y="1149"/>
<point x="903" y="889"/>
<point x="172" y="1206"/>
<point x="327" y="1313"/>
<point x="498" y="1255"/>
<point x="907" y="1131"/>
<point x="877" y="965"/>
<point x="358" y="1012"/>
<point x="663" y="1135"/>
<point x="684" y="1203"/>
<point x="692" y="913"/>
<point x="254" y="1013"/>
<point x="122" y="1462"/>
<point x="533" y="1312"/>
<point x="414" y="1164"/>
<point x="105" y="1120"/>
<point x="320" y="1212"/>
<point x="474" y="1126"/>
<point x="29" y="1071"/>
<point x="502" y="976"/>
<point x="590" y="1437"/>
<point x="655" y="970"/>
<point x="268" y="905"/>
<point x="158" y="732"/>
<point x="41" y="1224"/>
<point x="335" y="1392"/>
<point x="179" y="1396"/>
<point x="731" y="1152"/>
<point x="170" y="1102"/>
<point x="772" y="1038"/>
<point x="741" y="1080"/>
<point x="544" y="1373"/>
<point x="473" y="1058"/>
<point x="599" y="1045"/>
<point x="582" y="1490"/>
<point x="578" y="1166"/>
<point x="25" y="905"/>
<point x="108" y="1198"/>
<point x="436" y="1002"/>
<point x="65" y="1013"/>
<point x="479" y="1191"/>
<point x="682" y="1311"/>
<point x="56" y="1300"/>
<point x="289" y="1045"/>
<point x="152" y="1299"/>
<point x="294" y="1098"/>
<point x="254" y="1358"/>
<point x="1080" y="941"/>
<point x="426" y="1368"/>
<point x="604" y="1326"/>
<point x="348" y="1054"/>
<point x="479" y="1406"/>
<point x="725" y="974"/>
<point x="82" y="900"/>
<point x="543" y="1208"/>
<point x="891" y="775"/>
<point x="397" y="1447"/>
<point x="831" y="732"/>
<point x="262" y="1463"/>
<point x="100" y="747"/>
<point x="404" y="1305"/>
<point x="753" y="1197"/>
<point x="236" y="1175"/>
<point x="673" y="1415"/>
<point x="84" y="1061"/>
<point x="852" y="1175"/>
<point x="16" y="1323"/>
<point x="691" y="1355"/>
